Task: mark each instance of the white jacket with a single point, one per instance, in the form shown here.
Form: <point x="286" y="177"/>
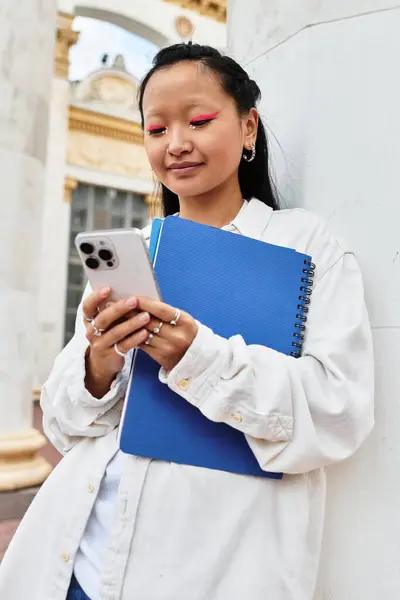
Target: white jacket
<point x="185" y="533"/>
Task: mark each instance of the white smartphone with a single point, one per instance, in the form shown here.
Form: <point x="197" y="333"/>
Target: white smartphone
<point x="118" y="258"/>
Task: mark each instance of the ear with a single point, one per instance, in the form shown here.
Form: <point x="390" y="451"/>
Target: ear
<point x="250" y="126"/>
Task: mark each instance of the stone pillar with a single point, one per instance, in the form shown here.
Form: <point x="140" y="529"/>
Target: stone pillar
<point x="26" y="50"/>
<point x="56" y="214"/>
<point x="331" y="98"/>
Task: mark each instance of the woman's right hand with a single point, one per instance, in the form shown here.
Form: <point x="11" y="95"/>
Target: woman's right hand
<point x="120" y="324"/>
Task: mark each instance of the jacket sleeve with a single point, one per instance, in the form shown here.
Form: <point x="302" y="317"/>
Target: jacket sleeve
<point x="70" y="412"/>
<point x="297" y="414"/>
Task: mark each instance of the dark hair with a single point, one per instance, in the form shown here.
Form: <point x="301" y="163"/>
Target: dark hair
<point x="254" y="177"/>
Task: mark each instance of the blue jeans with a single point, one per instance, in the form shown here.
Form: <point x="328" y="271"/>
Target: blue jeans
<point x="75" y="591"/>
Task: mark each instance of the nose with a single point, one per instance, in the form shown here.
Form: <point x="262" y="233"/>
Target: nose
<point x="179" y="142"/>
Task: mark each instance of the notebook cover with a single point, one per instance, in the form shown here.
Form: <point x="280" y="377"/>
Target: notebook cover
<point x="234" y="285"/>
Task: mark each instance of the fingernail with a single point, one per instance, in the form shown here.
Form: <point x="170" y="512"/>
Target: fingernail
<point x="144" y="316"/>
<point x="105" y="291"/>
<point x="109" y="304"/>
<point x="131" y="302"/>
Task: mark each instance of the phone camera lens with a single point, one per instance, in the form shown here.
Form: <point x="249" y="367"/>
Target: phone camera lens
<point x="87" y="248"/>
<point x="110" y="263"/>
<point x="92" y="263"/>
<point x="105" y="254"/>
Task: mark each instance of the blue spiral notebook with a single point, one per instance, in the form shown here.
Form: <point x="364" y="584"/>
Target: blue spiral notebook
<point x="234" y="285"/>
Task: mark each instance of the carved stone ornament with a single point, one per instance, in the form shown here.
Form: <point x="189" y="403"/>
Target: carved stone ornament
<point x="184" y="27"/>
<point x="113" y="90"/>
<point x="64" y="40"/>
<point x="70" y="185"/>
<point x="213" y="9"/>
<point x="107" y="154"/>
<point x="109" y="90"/>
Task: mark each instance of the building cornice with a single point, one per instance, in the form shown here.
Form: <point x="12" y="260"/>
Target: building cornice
<point x="100" y="124"/>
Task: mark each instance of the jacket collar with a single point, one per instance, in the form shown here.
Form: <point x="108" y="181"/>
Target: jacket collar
<point x="253" y="219"/>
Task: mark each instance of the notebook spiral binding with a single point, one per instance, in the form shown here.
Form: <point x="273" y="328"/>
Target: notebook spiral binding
<point x="304" y="301"/>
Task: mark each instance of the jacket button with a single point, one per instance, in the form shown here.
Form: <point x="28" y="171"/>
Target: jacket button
<point x="237" y="418"/>
<point x="184" y="384"/>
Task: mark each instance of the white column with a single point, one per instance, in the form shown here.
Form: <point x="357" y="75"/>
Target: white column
<point x="26" y="57"/>
<point x="331" y="97"/>
<point x="56" y="213"/>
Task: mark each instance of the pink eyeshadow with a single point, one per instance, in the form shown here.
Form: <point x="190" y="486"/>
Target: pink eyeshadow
<point x="205" y="117"/>
<point x="153" y="127"/>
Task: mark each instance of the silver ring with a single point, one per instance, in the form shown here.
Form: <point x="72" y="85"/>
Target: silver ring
<point x="85" y="318"/>
<point x="97" y="330"/>
<point x="118" y="351"/>
<point x="147" y="342"/>
<point x="176" y="318"/>
<point x="157" y="330"/>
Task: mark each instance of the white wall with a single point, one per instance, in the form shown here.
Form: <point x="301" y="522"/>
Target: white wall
<point x="331" y="96"/>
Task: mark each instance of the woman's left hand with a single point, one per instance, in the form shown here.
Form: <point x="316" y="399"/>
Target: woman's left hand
<point x="168" y="343"/>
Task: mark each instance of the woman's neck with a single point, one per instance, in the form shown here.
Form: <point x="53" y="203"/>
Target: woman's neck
<point x="216" y="208"/>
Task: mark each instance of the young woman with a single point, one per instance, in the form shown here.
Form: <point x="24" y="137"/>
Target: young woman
<point x="111" y="526"/>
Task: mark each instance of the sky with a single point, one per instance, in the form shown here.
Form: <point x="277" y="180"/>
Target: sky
<point x="98" y="38"/>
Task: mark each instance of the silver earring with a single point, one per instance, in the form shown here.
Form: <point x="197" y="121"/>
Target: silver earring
<point x="253" y="154"/>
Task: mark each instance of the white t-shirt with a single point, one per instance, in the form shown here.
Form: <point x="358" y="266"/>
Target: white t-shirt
<point x="91" y="553"/>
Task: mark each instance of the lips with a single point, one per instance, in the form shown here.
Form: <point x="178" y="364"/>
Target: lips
<point x="183" y="166"/>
